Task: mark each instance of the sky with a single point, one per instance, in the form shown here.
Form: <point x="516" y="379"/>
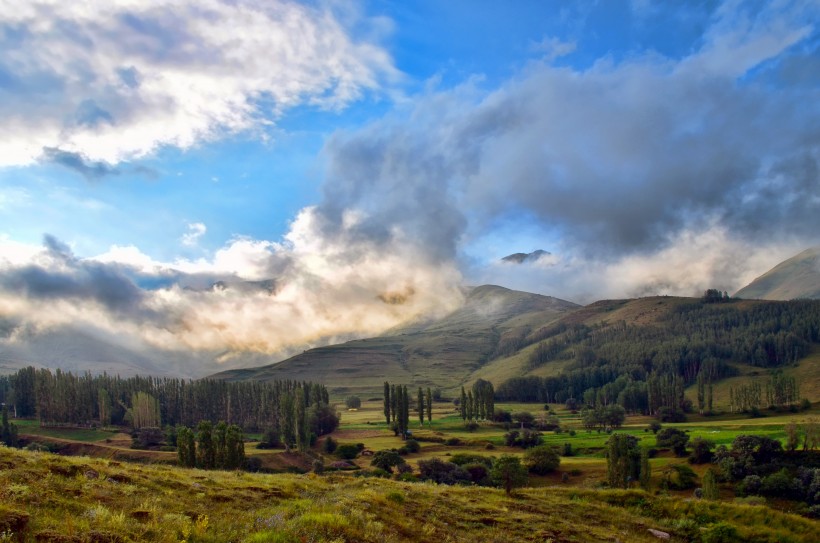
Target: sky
<point x="266" y="176"/>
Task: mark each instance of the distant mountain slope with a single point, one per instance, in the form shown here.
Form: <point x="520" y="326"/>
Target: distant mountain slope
<point x="797" y="277"/>
<point x="437" y="354"/>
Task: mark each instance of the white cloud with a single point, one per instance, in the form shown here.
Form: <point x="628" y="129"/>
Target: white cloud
<point x="195" y="231"/>
<point x="115" y="80"/>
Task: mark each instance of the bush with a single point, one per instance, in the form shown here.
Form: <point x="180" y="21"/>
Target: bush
<point x="779" y="485"/>
<point x="471" y="426"/>
<point x="508" y="473"/>
<point x="452" y="441"/>
<point x="541" y="460"/>
<point x="347" y="451"/>
<point x="720" y="533"/>
<point x="353" y="402"/>
<point x="749" y="485"/>
<point x="479" y="474"/>
<point x="439" y="471"/>
<point x="682" y="477"/>
<point x="701" y="451"/>
<point x="655" y="426"/>
<point x="568" y="450"/>
<point x="462" y="459"/>
<point x="330" y="445"/>
<point x="523" y="438"/>
<point x="386" y="460"/>
<point x="673" y="438"/>
<point x="412" y="445"/>
<point x="500" y="415"/>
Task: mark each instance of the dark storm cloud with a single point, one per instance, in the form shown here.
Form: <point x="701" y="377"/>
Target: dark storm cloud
<point x="66" y="277"/>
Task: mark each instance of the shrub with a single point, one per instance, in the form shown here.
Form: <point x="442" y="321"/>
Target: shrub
<point x="386" y="460"/>
<point x="479" y="474"/>
<point x="353" y="402"/>
<point x="412" y="445"/>
<point x="701" y="451"/>
<point x="779" y="484"/>
<point x="471" y="426"/>
<point x="673" y="438"/>
<point x="462" y="459"/>
<point x="655" y="426"/>
<point x="567" y="450"/>
<point x="330" y="445"/>
<point x="500" y="415"/>
<point x="442" y="472"/>
<point x="720" y="533"/>
<point x="452" y="441"/>
<point x="682" y="477"/>
<point x="347" y="451"/>
<point x="749" y="485"/>
<point x="541" y="460"/>
<point x="523" y="438"/>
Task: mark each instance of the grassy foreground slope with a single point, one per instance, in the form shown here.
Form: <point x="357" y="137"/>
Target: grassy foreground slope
<point x="52" y="498"/>
<point x="435" y="354"/>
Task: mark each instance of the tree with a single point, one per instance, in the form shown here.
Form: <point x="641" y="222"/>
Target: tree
<point x="429" y="399"/>
<point x="234" y="448"/>
<point x="9" y="430"/>
<point x="701" y="451"/>
<point x="710" y="485"/>
<point x="386" y="460"/>
<point x="420" y="406"/>
<point x="144" y="411"/>
<point x="353" y="402"/>
<point x="792" y="436"/>
<point x="646" y="471"/>
<point x="542" y="459"/>
<point x="463" y="404"/>
<point x="387" y="402"/>
<point x="186" y="448"/>
<point x="508" y="473"/>
<point x="205" y="452"/>
<point x="623" y="460"/>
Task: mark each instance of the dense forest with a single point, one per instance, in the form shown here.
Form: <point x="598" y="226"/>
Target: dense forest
<point x="142" y="402"/>
<point x="645" y="368"/>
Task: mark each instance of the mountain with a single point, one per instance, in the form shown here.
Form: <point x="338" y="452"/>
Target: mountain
<point x="521" y="258"/>
<point x="435" y="354"/>
<point x="797" y="277"/>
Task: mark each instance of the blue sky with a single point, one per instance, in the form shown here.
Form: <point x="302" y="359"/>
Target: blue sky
<point x="353" y="149"/>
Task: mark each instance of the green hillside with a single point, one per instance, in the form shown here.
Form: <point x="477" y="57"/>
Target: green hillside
<point x="437" y="354"/>
<point x="797" y="277"/>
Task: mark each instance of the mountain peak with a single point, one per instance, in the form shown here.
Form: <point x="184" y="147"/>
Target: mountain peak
<point x="521" y="258"/>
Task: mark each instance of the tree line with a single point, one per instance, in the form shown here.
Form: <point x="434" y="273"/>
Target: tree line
<point x="60" y="397"/>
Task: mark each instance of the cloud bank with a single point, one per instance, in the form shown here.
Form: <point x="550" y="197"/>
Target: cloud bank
<point x="91" y="85"/>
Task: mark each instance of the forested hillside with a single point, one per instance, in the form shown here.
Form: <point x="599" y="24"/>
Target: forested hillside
<point x="643" y="353"/>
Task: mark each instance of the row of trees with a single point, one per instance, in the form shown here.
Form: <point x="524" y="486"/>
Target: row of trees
<point x="778" y="391"/>
<point x="211" y="447"/>
<point x="479" y="402"/>
<point x="60" y="397"/>
<point x="397" y="408"/>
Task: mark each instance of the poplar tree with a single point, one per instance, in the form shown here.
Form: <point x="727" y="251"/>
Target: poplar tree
<point x="420" y="406"/>
<point x="429" y="399"/>
<point x="463" y="404"/>
<point x="387" y="402"/>
<point x="205" y="451"/>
